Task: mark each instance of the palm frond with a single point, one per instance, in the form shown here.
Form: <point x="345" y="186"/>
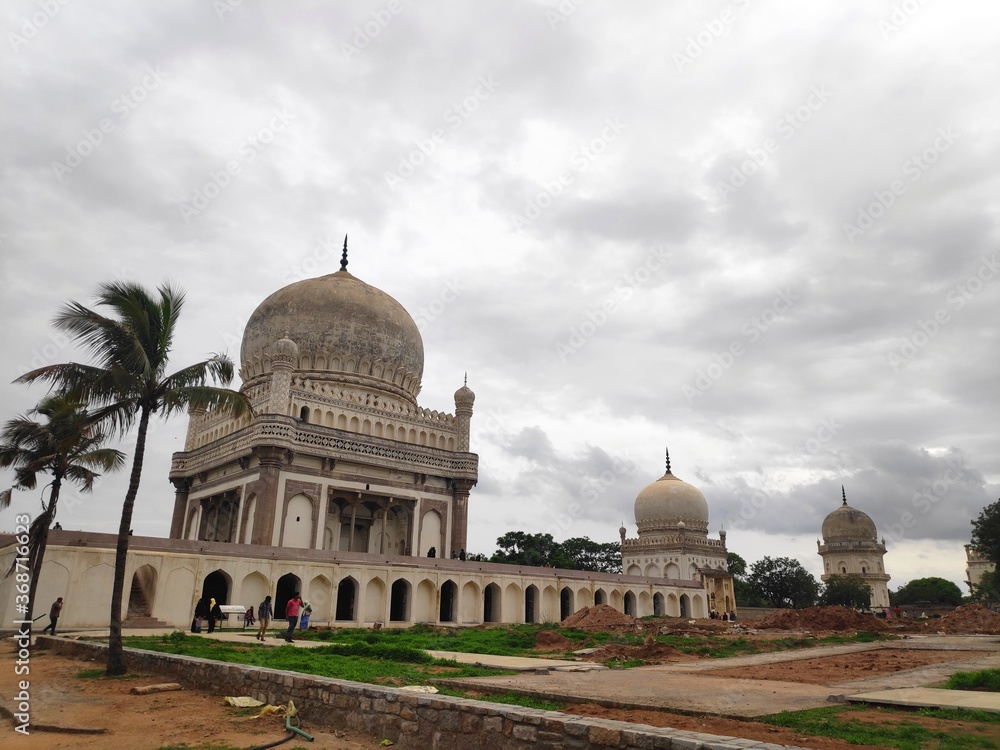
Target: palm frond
<point x="5" y="498"/>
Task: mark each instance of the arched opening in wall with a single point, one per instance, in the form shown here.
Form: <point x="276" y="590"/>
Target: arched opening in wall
<point x="644" y="604"/>
<point x="630" y="603"/>
<point x="328" y="419"/>
<point x="399" y="601"/>
<point x="374" y="601"/>
<point x="288" y="585"/>
<point x="685" y="605"/>
<point x="304" y="414"/>
<point x="510" y="608"/>
<point x="633" y="570"/>
<point x="863" y="570"/>
<point x="673" y="608"/>
<point x="216" y="586"/>
<point x="600" y="597"/>
<point x="142" y="593"/>
<point x="317" y="416"/>
<point x="652" y="571"/>
<point x="843" y="569"/>
<point x="469" y="605"/>
<point x="565" y="602"/>
<point x="616" y="599"/>
<point x="492" y="605"/>
<point x="449" y="593"/>
<point x="253" y="589"/>
<point x="298" y="527"/>
<point x="729" y="603"/>
<point x="698" y="608"/>
<point x="355" y="425"/>
<point x="531" y="604"/>
<point x="347" y="598"/>
<point x="430" y="534"/>
<point x="671" y="571"/>
<point x="341" y="421"/>
<point x="659" y="608"/>
<point x="320" y="597"/>
<point x="424" y="602"/>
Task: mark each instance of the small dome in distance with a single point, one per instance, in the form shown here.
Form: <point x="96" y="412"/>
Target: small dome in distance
<point x="847" y="524"/>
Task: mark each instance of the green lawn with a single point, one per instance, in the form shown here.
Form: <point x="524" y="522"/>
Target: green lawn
<point x="952" y="729"/>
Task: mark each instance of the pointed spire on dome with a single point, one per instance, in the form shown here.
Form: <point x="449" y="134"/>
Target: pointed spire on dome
<point x="466" y="380"/>
<point x="667" y="451"/>
<point x="843" y="494"/>
<point x="343" y="258"/>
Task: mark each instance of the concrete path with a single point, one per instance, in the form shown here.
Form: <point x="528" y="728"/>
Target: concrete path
<point x="931" y="698"/>
<point x="689" y="687"/>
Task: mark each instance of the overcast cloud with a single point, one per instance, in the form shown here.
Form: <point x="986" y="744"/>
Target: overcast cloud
<point x="762" y="233"/>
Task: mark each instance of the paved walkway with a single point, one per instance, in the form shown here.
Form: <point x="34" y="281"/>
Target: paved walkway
<point x="688" y="687"/>
<point x="931" y="697"/>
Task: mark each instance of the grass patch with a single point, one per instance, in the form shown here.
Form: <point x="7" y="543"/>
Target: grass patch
<point x="376" y="663"/>
<point x="895" y="728"/>
<point x="987" y="680"/>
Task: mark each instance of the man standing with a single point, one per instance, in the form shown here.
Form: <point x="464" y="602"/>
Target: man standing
<point x="264" y="617"/>
<point x="54" y="612"/>
<point x="292" y="613"/>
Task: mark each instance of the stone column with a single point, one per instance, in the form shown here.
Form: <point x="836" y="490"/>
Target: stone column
<point x="460" y="514"/>
<point x="271" y="460"/>
<point x="182" y="486"/>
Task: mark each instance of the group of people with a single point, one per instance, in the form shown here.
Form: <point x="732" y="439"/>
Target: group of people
<point x="294" y="610"/>
<point x="206" y="609"/>
<point x="725" y="616"/>
<point x="460" y="555"/>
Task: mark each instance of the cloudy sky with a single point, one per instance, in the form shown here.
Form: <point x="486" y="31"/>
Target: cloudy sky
<point x="763" y="234"/>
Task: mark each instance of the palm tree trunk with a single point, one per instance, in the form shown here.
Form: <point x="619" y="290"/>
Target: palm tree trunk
<point x="116" y="655"/>
<point x="40" y="543"/>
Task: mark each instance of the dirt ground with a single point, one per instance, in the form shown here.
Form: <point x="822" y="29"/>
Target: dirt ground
<point x="139" y="722"/>
<point x="831" y="670"/>
<point x="752" y="730"/>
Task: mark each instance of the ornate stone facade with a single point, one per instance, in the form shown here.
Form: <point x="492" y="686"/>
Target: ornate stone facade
<point x="672" y="521"/>
<point x="851" y="547"/>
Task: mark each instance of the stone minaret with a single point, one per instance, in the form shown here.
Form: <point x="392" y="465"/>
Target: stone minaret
<point x="464" y="399"/>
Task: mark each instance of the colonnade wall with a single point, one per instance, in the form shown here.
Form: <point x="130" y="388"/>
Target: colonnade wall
<point x="348" y="589"/>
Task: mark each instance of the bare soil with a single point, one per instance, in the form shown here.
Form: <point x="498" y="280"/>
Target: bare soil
<point x="822" y="619"/>
<point x="832" y="670"/>
<point x="599" y="617"/>
<point x="139" y="722"/>
<point x="753" y="730"/>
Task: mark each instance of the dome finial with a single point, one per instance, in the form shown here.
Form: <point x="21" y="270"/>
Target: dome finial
<point x="667" y="450"/>
<point x="343" y="258"/>
<point x="843" y="494"/>
<point x="466" y="381"/>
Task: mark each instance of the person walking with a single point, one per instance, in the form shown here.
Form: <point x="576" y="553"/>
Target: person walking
<point x="214" y="613"/>
<point x="54" y="611"/>
<point x="264" y="615"/>
<point x="292" y="614"/>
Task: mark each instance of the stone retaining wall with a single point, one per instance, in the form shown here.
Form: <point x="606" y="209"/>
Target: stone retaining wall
<point x="410" y="720"/>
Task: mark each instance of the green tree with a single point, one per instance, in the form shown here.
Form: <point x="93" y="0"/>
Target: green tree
<point x="986" y="533"/>
<point x="130" y="382"/>
<point x="535" y="550"/>
<point x="744" y="591"/>
<point x="932" y="590"/>
<point x="783" y="582"/>
<point x="66" y="445"/>
<point x="586" y="554"/>
<point x="986" y="591"/>
<point x="847" y="591"/>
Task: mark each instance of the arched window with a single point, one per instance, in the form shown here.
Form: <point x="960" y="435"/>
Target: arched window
<point x="304" y="414"/>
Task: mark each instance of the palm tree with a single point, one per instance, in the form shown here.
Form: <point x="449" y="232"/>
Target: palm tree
<point x="67" y="446"/>
<point x="129" y="383"/>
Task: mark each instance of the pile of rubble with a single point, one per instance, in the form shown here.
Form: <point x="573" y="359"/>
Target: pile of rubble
<point x="969" y="618"/>
<point x="821" y="618"/>
<point x="599" y="617"/>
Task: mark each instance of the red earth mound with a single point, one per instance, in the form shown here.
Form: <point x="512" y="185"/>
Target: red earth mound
<point x="969" y="618"/>
<point x="821" y="618"/>
<point x="550" y="640"/>
<point x="600" y="616"/>
<point x="651" y="653"/>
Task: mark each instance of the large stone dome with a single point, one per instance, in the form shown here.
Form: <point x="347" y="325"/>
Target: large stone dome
<point x="847" y="524"/>
<point x="340" y="324"/>
<point x="669" y="503"/>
